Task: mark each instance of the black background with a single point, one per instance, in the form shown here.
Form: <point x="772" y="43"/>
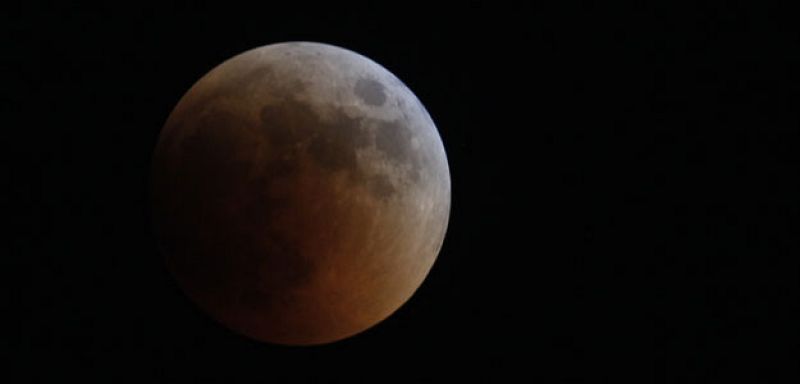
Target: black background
<point x="625" y="193"/>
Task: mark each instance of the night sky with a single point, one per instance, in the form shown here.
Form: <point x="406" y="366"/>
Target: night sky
<point x="625" y="193"/>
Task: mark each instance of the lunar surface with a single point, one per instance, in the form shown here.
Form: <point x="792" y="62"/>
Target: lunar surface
<point x="300" y="193"/>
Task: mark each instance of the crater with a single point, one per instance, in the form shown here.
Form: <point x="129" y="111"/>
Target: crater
<point x="294" y="128"/>
<point x="334" y="145"/>
<point x="381" y="186"/>
<point x="291" y="125"/>
<point x="393" y="138"/>
<point x="370" y="91"/>
<point x="287" y="123"/>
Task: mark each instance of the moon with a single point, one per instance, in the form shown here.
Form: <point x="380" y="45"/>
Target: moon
<point x="300" y="193"/>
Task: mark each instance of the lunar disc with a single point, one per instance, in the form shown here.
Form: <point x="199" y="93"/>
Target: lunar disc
<point x="300" y="193"/>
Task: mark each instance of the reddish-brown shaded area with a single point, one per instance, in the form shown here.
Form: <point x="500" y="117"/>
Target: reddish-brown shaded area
<point x="273" y="226"/>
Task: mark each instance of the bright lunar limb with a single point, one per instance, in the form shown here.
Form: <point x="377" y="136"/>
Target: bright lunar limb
<point x="300" y="193"/>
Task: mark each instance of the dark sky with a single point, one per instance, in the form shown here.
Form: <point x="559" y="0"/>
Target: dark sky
<point x="625" y="193"/>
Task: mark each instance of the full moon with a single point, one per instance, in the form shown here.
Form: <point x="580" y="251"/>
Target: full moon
<point x="300" y="193"/>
